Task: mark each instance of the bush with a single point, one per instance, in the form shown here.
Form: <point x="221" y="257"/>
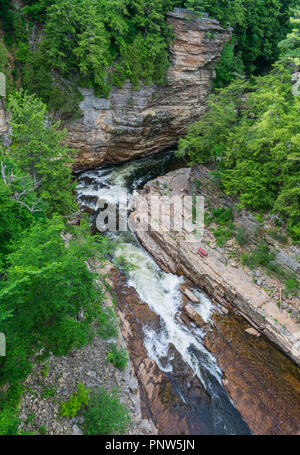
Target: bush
<point x="8" y="422"/>
<point x="292" y="285"/>
<point x="77" y="400"/>
<point x="262" y="256"/>
<point x="241" y="236"/>
<point x="222" y="215"/>
<point x="118" y="357"/>
<point x="222" y="235"/>
<point x="105" y="415"/>
<point x="278" y="235"/>
<point x="107" y="322"/>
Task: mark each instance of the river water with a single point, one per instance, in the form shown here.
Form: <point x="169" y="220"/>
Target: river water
<point x="160" y="291"/>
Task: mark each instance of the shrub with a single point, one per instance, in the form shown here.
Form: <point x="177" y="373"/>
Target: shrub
<point x="43" y="430"/>
<point x="118" y="357"/>
<point x="262" y="256"/>
<point x="241" y="236"/>
<point x="278" y="235"/>
<point x="222" y="215"/>
<point x="105" y="414"/>
<point x="107" y="321"/>
<point x="8" y="422"/>
<point x="292" y="285"/>
<point x="49" y="392"/>
<point x="72" y="406"/>
<point x="222" y="234"/>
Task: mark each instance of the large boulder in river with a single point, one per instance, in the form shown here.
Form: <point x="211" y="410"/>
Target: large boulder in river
<point x="134" y="123"/>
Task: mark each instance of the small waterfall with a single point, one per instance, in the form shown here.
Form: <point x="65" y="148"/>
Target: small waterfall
<point x="160" y="290"/>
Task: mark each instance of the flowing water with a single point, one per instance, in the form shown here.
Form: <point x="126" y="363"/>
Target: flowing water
<point x="160" y="290"/>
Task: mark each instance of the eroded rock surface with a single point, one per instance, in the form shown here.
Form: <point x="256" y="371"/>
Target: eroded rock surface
<point x="263" y="384"/>
<point x="135" y="123"/>
<point x="227" y="284"/>
<point x="161" y="401"/>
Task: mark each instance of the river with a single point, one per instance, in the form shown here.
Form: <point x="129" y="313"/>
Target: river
<point x="160" y="293"/>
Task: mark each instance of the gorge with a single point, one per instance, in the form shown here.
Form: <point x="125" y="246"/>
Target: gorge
<point x="182" y="336"/>
<point x="133" y="123"/>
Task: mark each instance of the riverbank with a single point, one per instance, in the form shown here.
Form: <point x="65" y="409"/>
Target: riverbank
<point x="262" y="382"/>
<point x="53" y="381"/>
<point x="189" y="357"/>
<point x="227" y="283"/>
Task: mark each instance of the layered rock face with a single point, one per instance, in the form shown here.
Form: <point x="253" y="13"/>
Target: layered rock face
<point x="224" y="283"/>
<point x="136" y="123"/>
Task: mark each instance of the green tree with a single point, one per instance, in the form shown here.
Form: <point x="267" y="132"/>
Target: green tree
<point x="76" y="40"/>
<point x="105" y="414"/>
<point x="19" y="205"/>
<point x="251" y="132"/>
<point x="37" y="150"/>
<point x="290" y="47"/>
<point x="47" y="283"/>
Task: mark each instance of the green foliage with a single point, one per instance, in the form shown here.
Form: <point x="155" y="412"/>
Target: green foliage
<point x="3" y="56"/>
<point x="77" y="400"/>
<point x="30" y="418"/>
<point x="292" y="285"/>
<point x="229" y="66"/>
<point x="118" y="357"/>
<point x="223" y="234"/>
<point x="241" y="236"/>
<point x="87" y="37"/>
<point x="107" y="321"/>
<point x="222" y="216"/>
<point x="36" y="9"/>
<point x="13" y="396"/>
<point x="251" y="132"/>
<point x="102" y="43"/>
<point x="15" y="216"/>
<point x="6" y="18"/>
<point x="46" y="285"/>
<point x="258" y="27"/>
<point x="43" y="430"/>
<point x="49" y="392"/>
<point x="8" y="422"/>
<point x="264" y="257"/>
<point x="290" y="47"/>
<point x="46" y="370"/>
<point x="37" y="149"/>
<point x="105" y="415"/>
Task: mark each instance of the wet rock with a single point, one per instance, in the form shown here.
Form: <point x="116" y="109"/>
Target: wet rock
<point x="192" y="297"/>
<point x="193" y="315"/>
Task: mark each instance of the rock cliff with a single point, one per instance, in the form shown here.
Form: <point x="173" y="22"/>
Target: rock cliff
<point x="135" y="123"/>
<point x="227" y="284"/>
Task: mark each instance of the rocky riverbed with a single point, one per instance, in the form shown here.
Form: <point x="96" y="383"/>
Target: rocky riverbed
<point x="262" y="382"/>
<point x="53" y="381"/>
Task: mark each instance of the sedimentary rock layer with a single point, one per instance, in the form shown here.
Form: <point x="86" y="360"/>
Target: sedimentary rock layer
<point x="134" y="123"/>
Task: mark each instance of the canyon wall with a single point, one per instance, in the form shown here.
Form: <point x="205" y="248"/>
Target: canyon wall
<point x="136" y="123"/>
<point x="225" y="281"/>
